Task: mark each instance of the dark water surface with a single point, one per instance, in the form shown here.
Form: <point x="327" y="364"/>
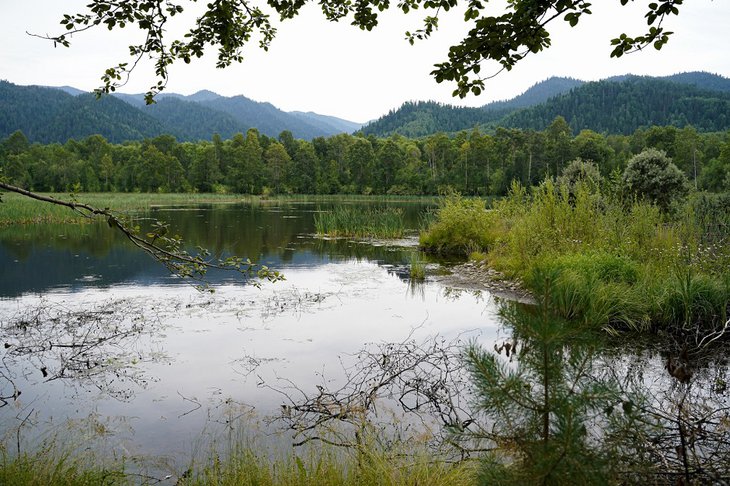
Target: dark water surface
<point x="97" y="335"/>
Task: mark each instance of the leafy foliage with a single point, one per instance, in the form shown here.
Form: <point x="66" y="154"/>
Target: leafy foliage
<point x="580" y="172"/>
<point x="471" y="163"/>
<point x="653" y="176"/>
<point x="229" y="25"/>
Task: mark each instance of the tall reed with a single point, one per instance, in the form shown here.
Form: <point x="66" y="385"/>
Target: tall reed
<point x="358" y="223"/>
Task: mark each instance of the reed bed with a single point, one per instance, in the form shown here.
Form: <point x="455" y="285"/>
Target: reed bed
<point x="345" y="221"/>
<point x="18" y="209"/>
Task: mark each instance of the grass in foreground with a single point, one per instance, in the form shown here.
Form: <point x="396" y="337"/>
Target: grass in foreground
<point x="245" y="465"/>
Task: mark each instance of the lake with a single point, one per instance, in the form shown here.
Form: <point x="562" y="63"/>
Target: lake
<point x="99" y="336"/>
<point x="101" y="344"/>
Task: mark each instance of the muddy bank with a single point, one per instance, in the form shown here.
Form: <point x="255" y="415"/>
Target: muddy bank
<point x="477" y="276"/>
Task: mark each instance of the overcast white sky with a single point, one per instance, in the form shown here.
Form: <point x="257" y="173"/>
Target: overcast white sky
<point x="336" y="69"/>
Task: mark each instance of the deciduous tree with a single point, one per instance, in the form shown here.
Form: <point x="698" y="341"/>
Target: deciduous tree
<point x="227" y="26"/>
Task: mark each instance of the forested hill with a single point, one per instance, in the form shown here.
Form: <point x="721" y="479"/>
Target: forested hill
<point x="421" y="118"/>
<point x="622" y="107"/>
<point x="58" y="114"/>
<point x="537" y="94"/>
<point x="616" y="105"/>
<point x="200" y="115"/>
<point x="416" y="119"/>
<point x="52" y="115"/>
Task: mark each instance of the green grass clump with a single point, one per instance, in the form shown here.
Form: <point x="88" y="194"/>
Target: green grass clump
<point x="328" y="467"/>
<point x="611" y="261"/>
<point x="600" y="266"/>
<point x="461" y="226"/>
<point x="689" y="301"/>
<point x="358" y="223"/>
<point x="418" y="268"/>
<point x="597" y="289"/>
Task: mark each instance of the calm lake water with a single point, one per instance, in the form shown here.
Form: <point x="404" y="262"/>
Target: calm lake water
<point x="98" y="335"/>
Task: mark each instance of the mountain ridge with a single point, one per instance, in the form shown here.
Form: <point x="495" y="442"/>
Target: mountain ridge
<point x="618" y="104"/>
<point x="417" y="119"/>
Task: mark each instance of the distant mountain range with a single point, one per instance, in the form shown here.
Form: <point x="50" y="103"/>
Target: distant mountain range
<point x="620" y="104"/>
<point x="47" y="114"/>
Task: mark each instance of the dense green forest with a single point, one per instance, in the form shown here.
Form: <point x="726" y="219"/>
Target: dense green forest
<point x="622" y="107"/>
<point x="470" y="162"/>
<point x="49" y="115"/>
<point x="621" y="104"/>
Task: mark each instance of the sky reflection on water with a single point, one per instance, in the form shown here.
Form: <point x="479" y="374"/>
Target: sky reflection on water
<point x="202" y="355"/>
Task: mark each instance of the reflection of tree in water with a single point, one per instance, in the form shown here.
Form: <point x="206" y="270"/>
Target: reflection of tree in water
<point x="99" y="346"/>
<point x="411" y="392"/>
<point x="271" y="235"/>
<point x="684" y="436"/>
<point x="552" y="404"/>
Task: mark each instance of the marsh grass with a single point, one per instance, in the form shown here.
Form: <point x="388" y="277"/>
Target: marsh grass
<point x="624" y="265"/>
<point x="417" y="268"/>
<point x="17" y="209"/>
<point x="693" y="301"/>
<point x="460" y="227"/>
<point x="55" y="465"/>
<point x="354" y="222"/>
<point x="327" y="467"/>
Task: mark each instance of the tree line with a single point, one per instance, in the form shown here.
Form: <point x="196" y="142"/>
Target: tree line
<point x="469" y="162"/>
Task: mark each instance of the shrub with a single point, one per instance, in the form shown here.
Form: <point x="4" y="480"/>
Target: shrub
<point x="580" y="171"/>
<point x="651" y="175"/>
<point x="461" y="226"/>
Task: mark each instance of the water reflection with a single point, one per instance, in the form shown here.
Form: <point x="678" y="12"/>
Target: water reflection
<point x="96" y="346"/>
<point x="217" y="349"/>
<point x="45" y="257"/>
<point x="683" y="437"/>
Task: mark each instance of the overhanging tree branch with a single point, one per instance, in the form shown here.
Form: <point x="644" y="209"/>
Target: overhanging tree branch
<point x="227" y="26"/>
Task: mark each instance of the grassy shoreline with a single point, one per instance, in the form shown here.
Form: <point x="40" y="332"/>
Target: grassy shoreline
<point x="637" y="268"/>
<point x="18" y="209"/>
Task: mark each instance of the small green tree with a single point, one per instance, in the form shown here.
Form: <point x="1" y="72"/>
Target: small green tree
<point x="581" y="171"/>
<point x="651" y="175"/>
<point x="553" y="417"/>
